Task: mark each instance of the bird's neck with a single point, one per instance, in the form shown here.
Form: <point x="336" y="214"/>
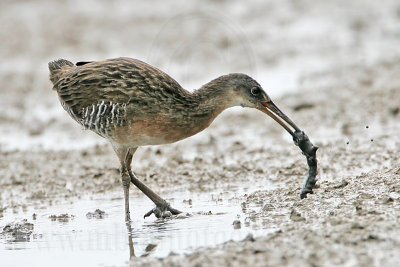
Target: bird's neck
<point x="216" y="95"/>
<point x="197" y="110"/>
<point x="210" y="100"/>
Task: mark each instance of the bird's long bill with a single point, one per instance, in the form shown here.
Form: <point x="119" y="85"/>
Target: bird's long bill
<point x="274" y="112"/>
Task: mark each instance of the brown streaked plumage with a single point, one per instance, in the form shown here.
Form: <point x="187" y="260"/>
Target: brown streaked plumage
<point x="133" y="104"/>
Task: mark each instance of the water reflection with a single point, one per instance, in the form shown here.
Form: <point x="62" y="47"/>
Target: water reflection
<point x="101" y="240"/>
<point x="130" y="241"/>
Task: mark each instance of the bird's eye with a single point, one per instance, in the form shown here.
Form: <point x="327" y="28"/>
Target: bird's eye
<point x="255" y="91"/>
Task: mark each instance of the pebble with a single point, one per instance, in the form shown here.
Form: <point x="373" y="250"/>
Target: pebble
<point x="249" y="237"/>
<point x="97" y="214"/>
<point x="237" y="224"/>
<point x="62" y="217"/>
<point x="296" y="216"/>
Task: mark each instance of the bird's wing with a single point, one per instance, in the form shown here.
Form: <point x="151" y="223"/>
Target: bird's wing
<point x="98" y="94"/>
<point x="121" y="80"/>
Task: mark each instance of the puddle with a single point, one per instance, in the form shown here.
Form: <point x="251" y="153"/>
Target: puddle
<point x="82" y="240"/>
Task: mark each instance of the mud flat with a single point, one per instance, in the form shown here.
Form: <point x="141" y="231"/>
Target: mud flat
<point x="351" y="219"/>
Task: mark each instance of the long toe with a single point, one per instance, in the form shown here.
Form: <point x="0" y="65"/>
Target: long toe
<point x="163" y="211"/>
<point x="166" y="214"/>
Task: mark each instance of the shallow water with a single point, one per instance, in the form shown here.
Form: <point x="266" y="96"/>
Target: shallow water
<point x="105" y="242"/>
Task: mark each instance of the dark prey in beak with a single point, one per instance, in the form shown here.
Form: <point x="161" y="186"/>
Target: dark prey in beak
<point x="301" y="140"/>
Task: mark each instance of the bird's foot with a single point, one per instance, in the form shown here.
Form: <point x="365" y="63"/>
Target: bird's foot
<point x="162" y="210"/>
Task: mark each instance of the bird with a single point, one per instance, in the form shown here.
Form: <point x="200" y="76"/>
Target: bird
<point x="133" y="104"/>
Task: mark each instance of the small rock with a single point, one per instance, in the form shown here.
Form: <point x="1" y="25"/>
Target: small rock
<point x="357" y="225"/>
<point x="16" y="181"/>
<point x="62" y="217"/>
<point x="188" y="201"/>
<point x="40" y="194"/>
<point x="69" y="186"/>
<point x="36" y="130"/>
<point x="296" y="216"/>
<point x="97" y="214"/>
<point x="394" y="195"/>
<point x="372" y="237"/>
<point x="346" y="129"/>
<point x="387" y="200"/>
<point x="342" y="184"/>
<point x="394" y="111"/>
<point x="302" y="106"/>
<point x="268" y="207"/>
<point x="249" y="237"/>
<point x="237" y="224"/>
<point x="97" y="175"/>
<point x="335" y="221"/>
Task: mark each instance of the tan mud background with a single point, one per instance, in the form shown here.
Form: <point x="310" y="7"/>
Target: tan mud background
<point x="338" y="62"/>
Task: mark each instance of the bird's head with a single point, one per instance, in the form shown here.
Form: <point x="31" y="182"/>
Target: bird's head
<point x="246" y="92"/>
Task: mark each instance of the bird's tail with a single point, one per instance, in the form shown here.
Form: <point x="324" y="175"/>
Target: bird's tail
<point x="57" y="67"/>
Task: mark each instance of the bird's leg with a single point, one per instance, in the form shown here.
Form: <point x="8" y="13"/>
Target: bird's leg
<point x="162" y="209"/>
<point x="126" y="183"/>
<point x="125" y="160"/>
